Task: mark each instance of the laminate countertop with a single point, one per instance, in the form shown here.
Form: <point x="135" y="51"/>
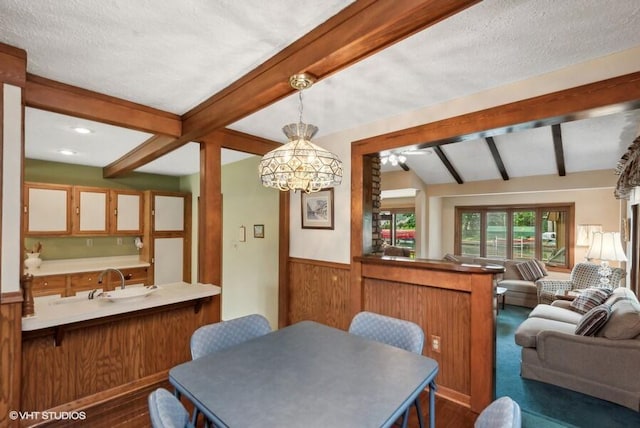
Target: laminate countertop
<point x="90" y="264"/>
<point x="53" y="311"/>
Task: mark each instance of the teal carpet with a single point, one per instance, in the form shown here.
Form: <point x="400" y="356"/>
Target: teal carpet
<point x="544" y="405"/>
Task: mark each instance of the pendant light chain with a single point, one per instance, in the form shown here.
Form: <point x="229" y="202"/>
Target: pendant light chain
<point x="301" y="106"/>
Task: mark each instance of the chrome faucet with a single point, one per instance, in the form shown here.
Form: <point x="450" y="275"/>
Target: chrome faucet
<point x="113" y="270"/>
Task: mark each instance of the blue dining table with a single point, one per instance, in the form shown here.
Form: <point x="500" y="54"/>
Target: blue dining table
<point x="306" y="375"/>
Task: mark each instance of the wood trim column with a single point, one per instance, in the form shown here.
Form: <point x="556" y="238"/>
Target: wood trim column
<point x="13" y="66"/>
<point x="210" y="219"/>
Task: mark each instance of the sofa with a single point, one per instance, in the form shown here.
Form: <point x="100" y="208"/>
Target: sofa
<point x="596" y="352"/>
<point x="520" y="291"/>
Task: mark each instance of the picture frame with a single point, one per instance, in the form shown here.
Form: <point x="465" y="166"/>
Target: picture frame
<point x="258" y="230"/>
<point x="316" y="209"/>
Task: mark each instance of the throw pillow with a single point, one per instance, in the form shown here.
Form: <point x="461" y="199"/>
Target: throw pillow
<point x="589" y="299"/>
<point x="593" y="321"/>
<point x="530" y="270"/>
<point x="624" y="322"/>
<point x="543" y="267"/>
<point x="450" y="258"/>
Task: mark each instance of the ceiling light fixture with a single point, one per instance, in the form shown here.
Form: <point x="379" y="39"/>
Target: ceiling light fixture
<point x="66" y="152"/>
<point x="393" y="159"/>
<point x="300" y="164"/>
<point x="82" y="130"/>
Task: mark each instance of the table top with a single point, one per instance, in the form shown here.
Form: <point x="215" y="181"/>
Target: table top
<point x="307" y="375"/>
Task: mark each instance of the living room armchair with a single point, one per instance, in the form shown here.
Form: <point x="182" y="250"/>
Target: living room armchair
<point x="583" y="275"/>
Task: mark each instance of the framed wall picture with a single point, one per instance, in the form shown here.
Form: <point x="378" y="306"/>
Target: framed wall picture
<point x="317" y="209"/>
<point x="258" y="230"/>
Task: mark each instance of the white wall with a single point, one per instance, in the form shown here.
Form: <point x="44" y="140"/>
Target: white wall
<point x="11" y="188"/>
<point x="250" y="268"/>
<point x="335" y="245"/>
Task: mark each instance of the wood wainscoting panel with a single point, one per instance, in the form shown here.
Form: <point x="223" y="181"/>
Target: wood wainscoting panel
<point x="438" y="311"/>
<point x="10" y="326"/>
<point x="318" y="291"/>
<point x="96" y="358"/>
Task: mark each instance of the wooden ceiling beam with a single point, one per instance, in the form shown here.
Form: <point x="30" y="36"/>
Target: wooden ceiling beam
<point x="558" y="149"/>
<point x="608" y="96"/>
<point x="361" y="29"/>
<point x="235" y="140"/>
<point x="445" y="160"/>
<point x="497" y="158"/>
<point x="61" y="98"/>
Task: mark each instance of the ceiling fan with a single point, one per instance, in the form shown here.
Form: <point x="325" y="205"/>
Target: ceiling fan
<point x="400" y="158"/>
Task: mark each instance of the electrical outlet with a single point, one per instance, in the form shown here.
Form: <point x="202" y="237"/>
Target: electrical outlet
<point x="435" y="343"/>
<point x="89" y="242"/>
<point x="118" y="241"/>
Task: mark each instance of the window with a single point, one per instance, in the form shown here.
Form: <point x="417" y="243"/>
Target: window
<point x="516" y="232"/>
<point x="398" y="228"/>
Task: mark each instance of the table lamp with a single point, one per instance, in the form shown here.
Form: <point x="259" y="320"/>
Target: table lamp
<point x="606" y="247"/>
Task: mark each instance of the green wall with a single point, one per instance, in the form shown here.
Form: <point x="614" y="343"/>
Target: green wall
<point x="93" y="246"/>
<point x="64" y="173"/>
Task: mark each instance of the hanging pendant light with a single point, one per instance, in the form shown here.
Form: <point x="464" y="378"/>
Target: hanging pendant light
<point x="300" y="164"/>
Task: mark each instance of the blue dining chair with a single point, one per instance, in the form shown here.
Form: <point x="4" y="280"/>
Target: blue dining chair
<point x="216" y="337"/>
<point x="166" y="411"/>
<point x="225" y="334"/>
<point x="395" y="332"/>
<point x="501" y="413"/>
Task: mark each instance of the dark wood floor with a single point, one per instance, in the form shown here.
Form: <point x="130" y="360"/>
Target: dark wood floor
<point x="448" y="414"/>
<point x="134" y="414"/>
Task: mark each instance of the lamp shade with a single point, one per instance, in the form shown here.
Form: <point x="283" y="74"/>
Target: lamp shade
<point x="300" y="164"/>
<point x="606" y="246"/>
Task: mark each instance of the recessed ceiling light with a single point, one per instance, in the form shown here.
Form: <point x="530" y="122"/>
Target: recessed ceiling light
<point x="82" y="130"/>
<point x="66" y="152"/>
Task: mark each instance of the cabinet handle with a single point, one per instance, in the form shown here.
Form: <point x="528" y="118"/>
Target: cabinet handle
<point x="128" y="276"/>
<point x="77" y="210"/>
<point x="115" y="212"/>
<point x="25" y="209"/>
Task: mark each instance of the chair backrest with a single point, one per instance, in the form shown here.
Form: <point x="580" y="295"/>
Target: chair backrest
<point x="585" y="275"/>
<point x="166" y="411"/>
<point x="216" y="337"/>
<point x="391" y="331"/>
<point x="502" y="413"/>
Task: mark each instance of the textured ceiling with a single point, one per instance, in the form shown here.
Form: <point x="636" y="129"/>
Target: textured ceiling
<point x="173" y="55"/>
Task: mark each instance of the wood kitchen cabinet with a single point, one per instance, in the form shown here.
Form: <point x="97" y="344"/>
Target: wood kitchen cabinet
<point x="49" y="285"/>
<point x="127" y="212"/>
<point x="91" y="211"/>
<point x="47" y="209"/>
<point x="167" y="236"/>
<point x="71" y="283"/>
<point x="84" y="281"/>
<point x="65" y="210"/>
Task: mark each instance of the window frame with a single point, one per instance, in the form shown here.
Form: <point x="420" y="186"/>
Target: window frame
<point x="392" y="212"/>
<point x="568" y="207"/>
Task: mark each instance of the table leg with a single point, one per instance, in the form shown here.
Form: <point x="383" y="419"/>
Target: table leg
<point x="432" y="405"/>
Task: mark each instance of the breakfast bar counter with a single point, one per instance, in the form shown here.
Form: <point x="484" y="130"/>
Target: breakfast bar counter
<point x="53" y="311"/>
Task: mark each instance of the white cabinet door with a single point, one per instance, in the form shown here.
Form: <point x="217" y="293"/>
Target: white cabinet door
<point x="167" y="260"/>
<point x="168" y="213"/>
<point x="48" y="209"/>
<point x="127" y="212"/>
<point x="91" y="207"/>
